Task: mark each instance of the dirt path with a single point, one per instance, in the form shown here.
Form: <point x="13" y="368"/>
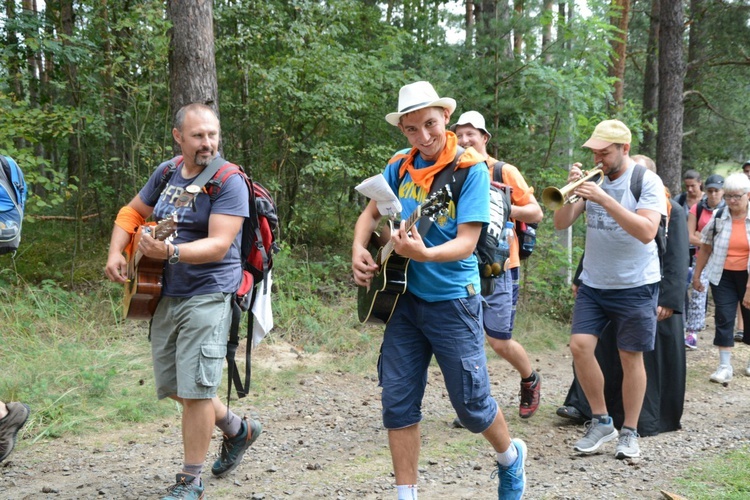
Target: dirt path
<point x="326" y="442"/>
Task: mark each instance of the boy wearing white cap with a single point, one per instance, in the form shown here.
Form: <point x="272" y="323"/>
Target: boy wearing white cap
<point x="440" y="312"/>
<point x="500" y="309"/>
<point x="620" y="281"/>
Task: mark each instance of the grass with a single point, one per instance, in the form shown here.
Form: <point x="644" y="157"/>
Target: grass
<point x="724" y="477"/>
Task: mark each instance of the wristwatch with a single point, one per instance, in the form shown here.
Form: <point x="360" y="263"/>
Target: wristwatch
<point x="175" y="258"/>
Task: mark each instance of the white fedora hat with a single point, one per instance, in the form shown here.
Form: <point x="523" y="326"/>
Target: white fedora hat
<point x="416" y="96"/>
<point x="473" y="118"/>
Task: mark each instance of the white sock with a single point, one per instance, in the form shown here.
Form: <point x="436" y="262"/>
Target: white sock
<point x="507" y="457"/>
<point x="407" y="491"/>
<point x="725" y="357"/>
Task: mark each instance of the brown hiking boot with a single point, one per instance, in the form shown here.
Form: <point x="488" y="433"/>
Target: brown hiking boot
<point x="530" y="396"/>
<point x="10" y="425"/>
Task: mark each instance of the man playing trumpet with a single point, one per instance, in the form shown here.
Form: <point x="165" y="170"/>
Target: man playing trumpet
<point x="620" y="281"/>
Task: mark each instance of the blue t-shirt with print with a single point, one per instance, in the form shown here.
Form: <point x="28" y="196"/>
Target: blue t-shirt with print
<point x="188" y="280"/>
<point x="436" y="281"/>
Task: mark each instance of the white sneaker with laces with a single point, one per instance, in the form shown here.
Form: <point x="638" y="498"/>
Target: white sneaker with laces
<point x="722" y="375"/>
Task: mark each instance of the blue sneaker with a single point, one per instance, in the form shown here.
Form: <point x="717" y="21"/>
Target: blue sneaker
<point x="513" y="477"/>
<point x="233" y="449"/>
<point x="185" y="489"/>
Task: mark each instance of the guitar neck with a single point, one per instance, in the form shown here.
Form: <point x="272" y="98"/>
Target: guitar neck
<point x="410" y="222"/>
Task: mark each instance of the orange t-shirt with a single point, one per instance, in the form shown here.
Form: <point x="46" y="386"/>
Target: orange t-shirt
<point x="520" y="195"/>
<point x="738" y="248"/>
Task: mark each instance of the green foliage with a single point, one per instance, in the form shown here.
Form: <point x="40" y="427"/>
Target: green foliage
<point x="544" y="288"/>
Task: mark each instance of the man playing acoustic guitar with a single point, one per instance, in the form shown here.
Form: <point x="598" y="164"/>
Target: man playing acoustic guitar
<point x="440" y="312"/>
<point x="201" y="272"/>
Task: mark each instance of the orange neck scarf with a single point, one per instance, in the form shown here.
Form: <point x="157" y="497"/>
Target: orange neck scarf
<point x="423" y="177"/>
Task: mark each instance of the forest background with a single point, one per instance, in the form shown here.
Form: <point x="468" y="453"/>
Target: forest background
<point x="88" y="90"/>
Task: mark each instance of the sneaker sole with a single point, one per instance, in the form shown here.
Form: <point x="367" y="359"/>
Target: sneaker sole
<point x="621" y="454"/>
<point x="15" y="433"/>
<point x="523" y="453"/>
<point x="253" y="437"/>
<point x="691" y="347"/>
<point x="602" y="440"/>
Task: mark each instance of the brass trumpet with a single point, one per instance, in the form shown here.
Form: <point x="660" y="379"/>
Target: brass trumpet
<point x="554" y="198"/>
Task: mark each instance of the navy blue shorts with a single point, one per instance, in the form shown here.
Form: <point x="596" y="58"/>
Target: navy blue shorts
<point x="452" y="331"/>
<point x="500" y="306"/>
<point x="632" y="312"/>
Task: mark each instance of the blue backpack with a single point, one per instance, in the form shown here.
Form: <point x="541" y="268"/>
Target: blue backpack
<point x="12" y="202"/>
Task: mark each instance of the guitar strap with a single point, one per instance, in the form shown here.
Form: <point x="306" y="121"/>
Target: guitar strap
<point x="444" y="178"/>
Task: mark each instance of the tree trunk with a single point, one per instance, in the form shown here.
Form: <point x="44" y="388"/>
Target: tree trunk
<point x="469" y="41"/>
<point x="694" y="77"/>
<point x="192" y="66"/>
<point x="620" y="18"/>
<point x="651" y="85"/>
<point x="671" y="75"/>
<point x="547" y="33"/>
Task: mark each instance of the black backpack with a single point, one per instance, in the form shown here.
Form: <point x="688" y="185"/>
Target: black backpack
<point x="525" y="231"/>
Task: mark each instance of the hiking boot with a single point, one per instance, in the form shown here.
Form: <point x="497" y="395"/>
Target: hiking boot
<point x="739" y="336"/>
<point x="233" y="448"/>
<point x="185" y="489"/>
<point x="10" y="424"/>
<point x="691" y="341"/>
<point x="597" y="433"/>
<point x="458" y="424"/>
<point x="513" y="477"/>
<point x="627" y="445"/>
<point x="530" y="396"/>
<point x="572" y="413"/>
<point x="722" y="375"/>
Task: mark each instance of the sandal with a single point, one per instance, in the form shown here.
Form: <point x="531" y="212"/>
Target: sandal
<point x="572" y="413"/>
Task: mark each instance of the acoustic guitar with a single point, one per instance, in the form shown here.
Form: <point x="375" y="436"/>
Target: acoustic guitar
<point x="375" y="304"/>
<point x="144" y="277"/>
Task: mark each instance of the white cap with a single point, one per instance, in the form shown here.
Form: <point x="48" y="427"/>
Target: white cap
<point x="473" y="118"/>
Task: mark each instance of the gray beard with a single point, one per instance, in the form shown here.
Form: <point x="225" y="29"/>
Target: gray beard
<point x="201" y="162"/>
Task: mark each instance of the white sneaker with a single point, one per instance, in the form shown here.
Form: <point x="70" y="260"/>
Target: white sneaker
<point x="747" y="370"/>
<point x="722" y="375"/>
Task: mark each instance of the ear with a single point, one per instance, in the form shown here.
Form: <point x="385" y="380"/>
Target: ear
<point x="447" y="116"/>
<point x="177" y="136"/>
<point x="626" y="148"/>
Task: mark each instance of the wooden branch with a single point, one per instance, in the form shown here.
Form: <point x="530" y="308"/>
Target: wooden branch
<point x="64" y="217"/>
<point x="709" y="106"/>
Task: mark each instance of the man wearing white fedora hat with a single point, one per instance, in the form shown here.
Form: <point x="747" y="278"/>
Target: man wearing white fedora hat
<point x="440" y="312"/>
<point x="500" y="309"/>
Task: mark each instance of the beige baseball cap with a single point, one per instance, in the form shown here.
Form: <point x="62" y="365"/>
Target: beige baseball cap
<point x="608" y="132"/>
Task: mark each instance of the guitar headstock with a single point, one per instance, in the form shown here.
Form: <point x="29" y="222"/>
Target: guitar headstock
<point x="165" y="228"/>
<point x="436" y="203"/>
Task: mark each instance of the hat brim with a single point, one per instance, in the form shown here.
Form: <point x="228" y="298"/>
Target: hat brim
<point x="446" y="103"/>
<point x="596" y="144"/>
<point x="714" y="186"/>
<point x="455" y="125"/>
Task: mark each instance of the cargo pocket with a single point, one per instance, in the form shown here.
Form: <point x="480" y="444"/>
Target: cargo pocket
<point x="210" y="365"/>
<point x="476" y="379"/>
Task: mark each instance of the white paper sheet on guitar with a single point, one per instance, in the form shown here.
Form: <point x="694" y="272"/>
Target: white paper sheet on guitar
<point x="377" y="188"/>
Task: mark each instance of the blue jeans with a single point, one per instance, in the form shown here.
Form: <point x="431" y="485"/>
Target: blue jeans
<point x="452" y="331"/>
<point x="729" y="291"/>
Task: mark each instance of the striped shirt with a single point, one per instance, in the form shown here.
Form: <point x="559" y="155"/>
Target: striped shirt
<point x="719" y="240"/>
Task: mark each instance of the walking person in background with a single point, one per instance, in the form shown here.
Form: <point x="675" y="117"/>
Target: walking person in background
<point x="202" y="271"/>
<point x="746" y="168"/>
<point x="620" y="281"/>
<point x="440" y="312"/>
<point x="693" y="190"/>
<point x="724" y="252"/>
<point x="499" y="313"/>
<point x="664" y="399"/>
<point x="698" y="217"/>
<point x="13" y="416"/>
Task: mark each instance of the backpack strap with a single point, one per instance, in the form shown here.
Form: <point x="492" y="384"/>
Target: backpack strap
<point x="450" y="177"/>
<point x="497" y="171"/>
<point x="636" y="181"/>
<point x="717" y="215"/>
